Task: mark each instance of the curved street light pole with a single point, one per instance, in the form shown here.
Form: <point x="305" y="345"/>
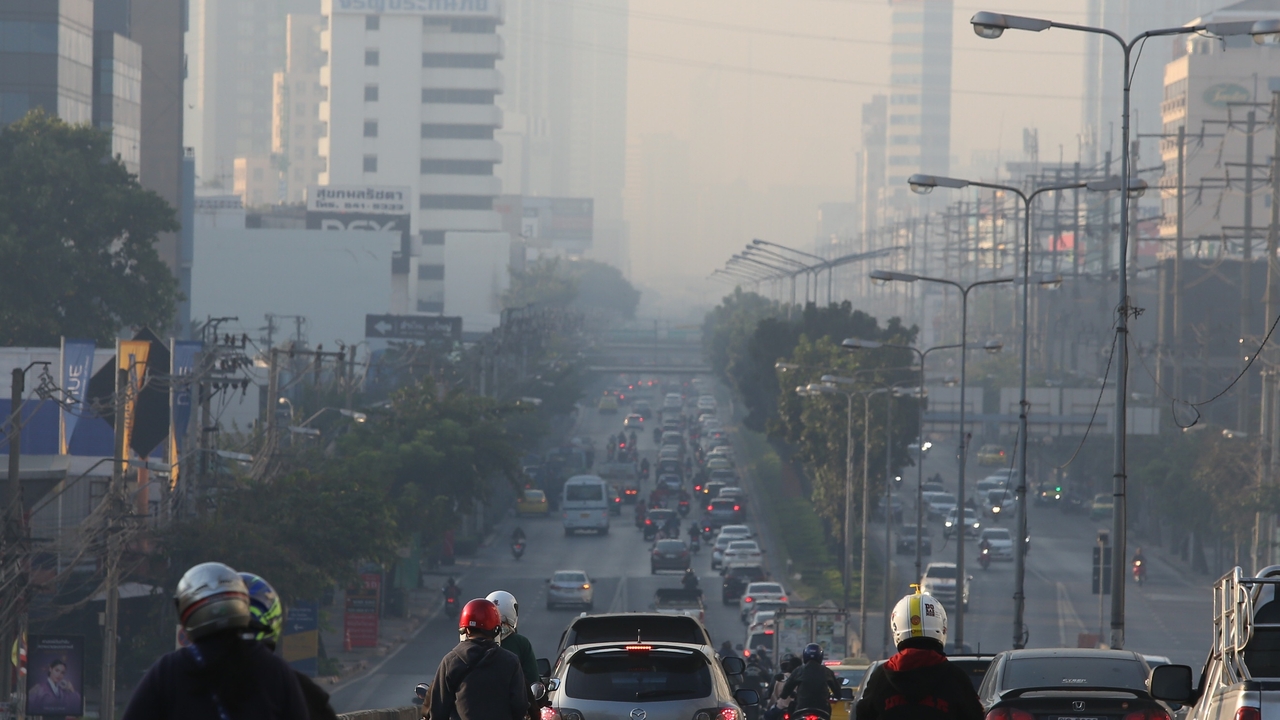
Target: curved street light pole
<point x="821" y="262"/>
<point x="961" y="581"/>
<point x="992" y="25"/>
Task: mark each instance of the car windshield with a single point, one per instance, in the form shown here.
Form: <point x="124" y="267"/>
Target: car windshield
<point x="583" y="493"/>
<point x="1075" y="672"/>
<point x="766" y="588"/>
<point x="569" y="577"/>
<point x="743" y="545"/>
<point x="670" y="546"/>
<point x="944" y="571"/>
<point x="853" y="675"/>
<point x="534" y="495"/>
<point x="975" y="668"/>
<point x="635" y="676"/>
<point x="721" y="504"/>
<point x="735" y="530"/>
<point x="996" y="534"/>
<point x="661" y="514"/>
<point x="764" y="638"/>
<point x="944" y="499"/>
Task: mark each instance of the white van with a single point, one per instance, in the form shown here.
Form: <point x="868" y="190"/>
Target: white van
<point x="585" y="504"/>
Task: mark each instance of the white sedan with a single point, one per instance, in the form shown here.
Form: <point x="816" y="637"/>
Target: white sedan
<point x="742" y="552"/>
<point x="570" y="587"/>
<point x="1000" y="541"/>
<point x="771" y="593"/>
<point x="728" y="534"/>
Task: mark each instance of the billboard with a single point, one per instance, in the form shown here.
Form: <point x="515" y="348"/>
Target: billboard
<point x="376" y="208"/>
<point x="441" y="8"/>
<point x="55" y="680"/>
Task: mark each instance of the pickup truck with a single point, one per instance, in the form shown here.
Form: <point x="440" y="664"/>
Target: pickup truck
<point x="1241" y="677"/>
<point x="678" y="601"/>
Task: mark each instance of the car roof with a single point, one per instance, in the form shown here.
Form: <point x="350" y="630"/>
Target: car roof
<point x="1072" y="653"/>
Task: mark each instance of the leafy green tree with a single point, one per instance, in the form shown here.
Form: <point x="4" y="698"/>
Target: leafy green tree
<point x="603" y="287"/>
<point x="588" y="285"/>
<point x="543" y="282"/>
<point x="729" y="326"/>
<point x="77" y="237"/>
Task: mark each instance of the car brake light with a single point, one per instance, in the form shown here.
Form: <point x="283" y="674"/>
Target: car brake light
<point x="547" y="713"/>
<point x="747" y="599"/>
<point x="727" y="714"/>
<point x="708" y="508"/>
<point x="1247" y="713"/>
<point x="736" y="508"/>
<point x="782" y="599"/>
<point x="768" y="632"/>
<point x="586" y="586"/>
<point x="639" y="648"/>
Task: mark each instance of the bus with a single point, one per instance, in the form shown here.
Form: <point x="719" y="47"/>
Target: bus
<point x="584" y="504"/>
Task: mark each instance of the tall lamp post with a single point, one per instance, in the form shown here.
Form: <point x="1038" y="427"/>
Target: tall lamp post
<point x="821" y="261"/>
<point x="883" y="276"/>
<point x="923" y="185"/>
<point x="992" y="25"/>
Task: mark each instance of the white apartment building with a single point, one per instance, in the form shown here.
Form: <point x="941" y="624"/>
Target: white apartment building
<point x="295" y="118"/>
<point x="411" y="102"/>
<point x="919" y="132"/>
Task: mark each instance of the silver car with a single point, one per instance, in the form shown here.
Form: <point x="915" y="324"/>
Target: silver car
<point x="633" y="681"/>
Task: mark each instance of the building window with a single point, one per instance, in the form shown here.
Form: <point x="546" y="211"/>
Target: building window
<point x="371" y="58"/>
<point x="456" y="167"/>
<point x="461" y="97"/>
<point x="457" y="132"/>
<point x="428" y="306"/>
<point x="453" y="60"/>
<point x="372" y="22"/>
<point x="430" y="272"/>
<point x="454" y="202"/>
<point x="431" y="237"/>
<point x="371" y="93"/>
<point x="477" y="25"/>
<point x="371" y="128"/>
<point x="371" y="163"/>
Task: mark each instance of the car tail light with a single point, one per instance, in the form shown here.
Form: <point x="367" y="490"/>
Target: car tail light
<point x="782" y="599"/>
<point x="1247" y="713"/>
<point x="736" y="508"/>
<point x="747" y="599"/>
<point x="708" y="508"/>
<point x="639" y="648"/>
<point x="727" y="714"/>
<point x="547" y="713"/>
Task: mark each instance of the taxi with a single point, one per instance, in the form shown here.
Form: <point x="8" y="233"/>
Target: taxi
<point x="854" y="671"/>
<point x="532" y="502"/>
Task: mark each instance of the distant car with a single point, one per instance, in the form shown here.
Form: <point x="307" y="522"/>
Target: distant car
<point x="940" y="504"/>
<point x="669" y="555"/>
<point x="719" y="462"/>
<point x="906" y="544"/>
<point x="707" y="402"/>
<point x="1103" y="506"/>
<point x="1065" y="682"/>
<point x="728" y="534"/>
<point x="670" y="481"/>
<point x="532" y="502"/>
<point x="734" y="493"/>
<point x="742" y="552"/>
<point x="932" y="486"/>
<point x="660" y="518"/>
<point x="974" y="666"/>
<point x="761" y="592"/>
<point x="972" y="523"/>
<point x="940" y="581"/>
<point x="570" y="587"/>
<point x="608" y="405"/>
<point x="634" y="421"/>
<point x="991" y="455"/>
<point x="1001" y="542"/>
<point x="722" y="511"/>
<point x="999" y="503"/>
<point x="736" y="580"/>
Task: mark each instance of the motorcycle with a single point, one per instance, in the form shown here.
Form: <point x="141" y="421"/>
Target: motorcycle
<point x="984" y="558"/>
<point x="694" y="545"/>
<point x="1139" y="572"/>
<point x="451" y="605"/>
<point x="683" y="508"/>
<point x="517" y="549"/>
<point x="706" y="532"/>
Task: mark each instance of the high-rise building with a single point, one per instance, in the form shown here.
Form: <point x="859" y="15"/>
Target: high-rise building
<point x="566" y="110"/>
<point x="919" y="132"/>
<point x="48" y="59"/>
<point x="117" y="95"/>
<point x="875" y="135"/>
<point x="378" y="111"/>
<point x="297" y="93"/>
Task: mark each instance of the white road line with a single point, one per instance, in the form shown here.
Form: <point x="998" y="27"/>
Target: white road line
<point x="619" y="597"/>
<point x="1066" y="616"/>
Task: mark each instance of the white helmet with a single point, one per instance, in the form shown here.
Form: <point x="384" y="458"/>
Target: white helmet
<point x="919" y="615"/>
<point x="508" y="608"/>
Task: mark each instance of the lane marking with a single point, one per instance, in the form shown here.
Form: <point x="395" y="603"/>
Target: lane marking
<point x="619" y="596"/>
<point x="1066" y="615"/>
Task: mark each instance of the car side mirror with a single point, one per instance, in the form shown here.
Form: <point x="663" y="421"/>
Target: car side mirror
<point x="846" y="693"/>
<point x="1172" y="683"/>
<point x="844" y="681"/>
<point x="553" y="684"/>
<point x="733" y="665"/>
<point x="421" y="692"/>
<point x="544" y="667"/>
<point x="746" y="697"/>
<point x="538" y="690"/>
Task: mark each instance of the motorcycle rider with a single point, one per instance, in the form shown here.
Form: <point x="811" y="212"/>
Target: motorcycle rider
<point x="511" y="640"/>
<point x="644" y="468"/>
<point x="690" y="580"/>
<point x="478" y="680"/>
<point x="756" y="676"/>
<point x="221" y="674"/>
<point x="813" y="684"/>
<point x="451" y="591"/>
<point x="1139" y="562"/>
<point x="919" y="675"/>
<point x="517" y="535"/>
<point x="265" y="626"/>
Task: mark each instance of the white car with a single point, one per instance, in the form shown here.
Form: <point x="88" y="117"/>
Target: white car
<point x="570" y="587"/>
<point x="707" y="402"/>
<point x="742" y="552"/>
<point x="728" y="534"/>
<point x="1001" y="542"/>
<point x="972" y="523"/>
<point x="940" y="504"/>
<point x="940" y="581"/>
<point x="771" y="593"/>
<point x="1000" y="503"/>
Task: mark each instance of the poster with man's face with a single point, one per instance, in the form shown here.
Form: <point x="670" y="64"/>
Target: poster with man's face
<point x="55" y="675"/>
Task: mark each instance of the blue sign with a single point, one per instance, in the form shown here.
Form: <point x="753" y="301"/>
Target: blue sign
<point x="77" y="368"/>
<point x="300" y="644"/>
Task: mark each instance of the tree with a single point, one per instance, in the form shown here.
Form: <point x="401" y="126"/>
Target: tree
<point x="543" y="282"/>
<point x="603" y="287"/>
<point x="588" y="285"/>
<point x="77" y="237"/>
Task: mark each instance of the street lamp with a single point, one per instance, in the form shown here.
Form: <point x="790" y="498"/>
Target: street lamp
<point x="991" y="346"/>
<point x="924" y="184"/>
<point x="821" y="260"/>
<point x="992" y="25"/>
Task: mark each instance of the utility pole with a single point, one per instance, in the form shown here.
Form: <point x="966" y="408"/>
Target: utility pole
<point x="273" y="392"/>
<point x="1246" y="265"/>
<point x="111" y="617"/>
<point x="1179" y="246"/>
<point x="13" y="514"/>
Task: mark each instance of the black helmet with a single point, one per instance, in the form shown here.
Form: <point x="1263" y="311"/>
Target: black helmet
<point x="211" y="597"/>
<point x="812" y="652"/>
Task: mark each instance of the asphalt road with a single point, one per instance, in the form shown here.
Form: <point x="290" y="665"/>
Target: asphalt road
<point x="618" y="564"/>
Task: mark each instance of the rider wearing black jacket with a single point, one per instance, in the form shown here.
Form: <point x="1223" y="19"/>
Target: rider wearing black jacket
<point x="813" y="684"/>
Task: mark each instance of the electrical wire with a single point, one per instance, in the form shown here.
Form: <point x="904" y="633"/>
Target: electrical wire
<point x="1101" y="391"/>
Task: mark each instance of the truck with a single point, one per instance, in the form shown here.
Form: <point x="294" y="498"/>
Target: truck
<point x="826" y="625"/>
<point x="624" y="475"/>
<point x="1241" y="677"/>
<point x="679" y="601"/>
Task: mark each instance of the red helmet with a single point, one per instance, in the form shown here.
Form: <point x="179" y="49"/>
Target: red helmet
<point x="480" y="615"/>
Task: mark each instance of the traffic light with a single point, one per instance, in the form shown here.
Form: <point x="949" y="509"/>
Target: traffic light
<point x="1102" y="569"/>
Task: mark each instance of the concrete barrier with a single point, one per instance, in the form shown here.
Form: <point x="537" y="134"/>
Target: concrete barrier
<point x="408" y="712"/>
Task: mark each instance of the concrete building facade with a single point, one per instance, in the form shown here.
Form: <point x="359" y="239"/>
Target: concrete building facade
<point x="117" y="95"/>
<point x="431" y="129"/>
<point x="46" y="59"/>
<point x="297" y="93"/>
<point x="919" y="130"/>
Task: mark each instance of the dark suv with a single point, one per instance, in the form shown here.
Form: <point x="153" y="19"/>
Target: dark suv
<point x="1070" y="683"/>
<point x="736" y="580"/>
